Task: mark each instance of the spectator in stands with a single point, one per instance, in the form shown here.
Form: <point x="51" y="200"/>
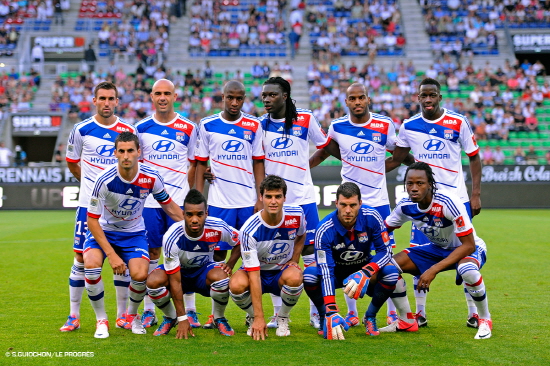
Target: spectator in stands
<point x="519" y="156"/>
<point x="547" y="157"/>
<point x="5" y="155"/>
<point x="498" y="156"/>
<point x="487" y="156"/>
<point x="20" y="158"/>
<point x="531" y="157"/>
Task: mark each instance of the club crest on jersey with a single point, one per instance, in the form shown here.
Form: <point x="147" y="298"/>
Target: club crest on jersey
<point x="143" y="193"/>
<point x="363" y="237"/>
<point x="180" y="136"/>
<point x="377" y="137"/>
<point x="449" y="134"/>
<point x="437" y="222"/>
<point x="292" y="234"/>
<point x="248" y="135"/>
<point x="76" y="240"/>
<point x="297" y="131"/>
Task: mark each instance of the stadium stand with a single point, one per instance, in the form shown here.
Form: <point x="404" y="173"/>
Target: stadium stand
<point x="245" y="28"/>
<point x="508" y="107"/>
<point x="355" y="28"/>
<point x="199" y="92"/>
<point x="17" y="90"/>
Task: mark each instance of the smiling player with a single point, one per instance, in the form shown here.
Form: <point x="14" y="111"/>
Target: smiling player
<point x="437" y="137"/>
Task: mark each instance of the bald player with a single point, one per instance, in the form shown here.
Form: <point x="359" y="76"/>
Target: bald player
<point x="168" y="143"/>
<point x="362" y="139"/>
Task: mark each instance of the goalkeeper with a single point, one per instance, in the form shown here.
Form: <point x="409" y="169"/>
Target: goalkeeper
<point x="343" y="244"/>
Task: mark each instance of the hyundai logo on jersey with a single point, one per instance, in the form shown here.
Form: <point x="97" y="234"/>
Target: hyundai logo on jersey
<point x="362" y="148"/>
<point x="199" y="260"/>
<point x="279" y="248"/>
<point x="434" y="145"/>
<point x="351" y="255"/>
<point x="130" y="204"/>
<point x="281" y="143"/>
<point x="164" y="146"/>
<point x="430" y="231"/>
<point x="232" y="146"/>
<point x="105" y="150"/>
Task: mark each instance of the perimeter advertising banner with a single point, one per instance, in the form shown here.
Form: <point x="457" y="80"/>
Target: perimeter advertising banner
<point x="507" y="186"/>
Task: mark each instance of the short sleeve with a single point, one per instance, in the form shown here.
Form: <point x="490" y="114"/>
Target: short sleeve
<point x="467" y="138"/>
<point x="74" y="146"/>
<point x="202" y="152"/>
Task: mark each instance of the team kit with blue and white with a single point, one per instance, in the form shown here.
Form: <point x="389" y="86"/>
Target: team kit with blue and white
<point x="357" y="258"/>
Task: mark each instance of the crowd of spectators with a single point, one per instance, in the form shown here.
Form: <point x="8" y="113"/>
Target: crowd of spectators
<point x="459" y="28"/>
<point x="354" y="27"/>
<point x="141" y="33"/>
<point x="216" y="27"/>
<point x="199" y="92"/>
<point x="17" y="90"/>
<point x="497" y="100"/>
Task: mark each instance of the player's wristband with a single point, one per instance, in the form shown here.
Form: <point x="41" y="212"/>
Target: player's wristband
<point x="331" y="308"/>
<point x="182" y="318"/>
<point x="370" y="269"/>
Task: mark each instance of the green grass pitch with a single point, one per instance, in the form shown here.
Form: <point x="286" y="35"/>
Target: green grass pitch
<point x="36" y="256"/>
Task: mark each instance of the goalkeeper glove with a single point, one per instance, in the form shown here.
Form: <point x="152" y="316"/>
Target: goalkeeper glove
<point x="357" y="283"/>
<point x="334" y="323"/>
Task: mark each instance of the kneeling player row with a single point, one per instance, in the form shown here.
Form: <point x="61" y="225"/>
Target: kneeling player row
<point x="271" y="243"/>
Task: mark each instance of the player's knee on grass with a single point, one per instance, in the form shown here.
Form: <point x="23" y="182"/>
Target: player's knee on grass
<point x="157" y="278"/>
<point x="239" y="282"/>
<point x="154" y="253"/>
<point x="214" y="275"/>
<point x="291" y="277"/>
<point x="93" y="258"/>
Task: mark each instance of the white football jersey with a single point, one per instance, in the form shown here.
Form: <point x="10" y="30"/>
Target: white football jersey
<point x="231" y="147"/>
<point x="182" y="251"/>
<point x="363" y="151"/>
<point x="269" y="248"/>
<point x="287" y="153"/>
<point x="169" y="148"/>
<point x="93" y="145"/>
<point x="439" y="143"/>
<point x="443" y="222"/>
<point x="118" y="203"/>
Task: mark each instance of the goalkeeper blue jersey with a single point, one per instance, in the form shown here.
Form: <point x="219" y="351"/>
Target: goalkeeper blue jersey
<point x="340" y="252"/>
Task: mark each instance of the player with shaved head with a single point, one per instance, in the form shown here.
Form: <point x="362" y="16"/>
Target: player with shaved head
<point x="168" y="143"/>
<point x="232" y="141"/>
<point x="362" y="138"/>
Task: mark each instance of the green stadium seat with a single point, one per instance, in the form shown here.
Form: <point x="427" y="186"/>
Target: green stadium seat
<point x="482" y="143"/>
<point x="546" y="143"/>
<point x="218" y="75"/>
<point x="540" y="152"/>
<point x="542" y="161"/>
<point x="525" y="143"/>
<point x="513" y="135"/>
<point x="540" y="110"/>
<point x="536" y="143"/>
<point x="247" y="75"/>
<point x="207" y="89"/>
<point x="493" y="143"/>
<point x="544" y="136"/>
<point x="523" y="135"/>
<point x="508" y="153"/>
<point x="533" y="134"/>
<point x="514" y="143"/>
<point x="503" y="143"/>
<point x="543" y="127"/>
<point x="546" y="102"/>
<point x="465" y="161"/>
<point x="509" y="161"/>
